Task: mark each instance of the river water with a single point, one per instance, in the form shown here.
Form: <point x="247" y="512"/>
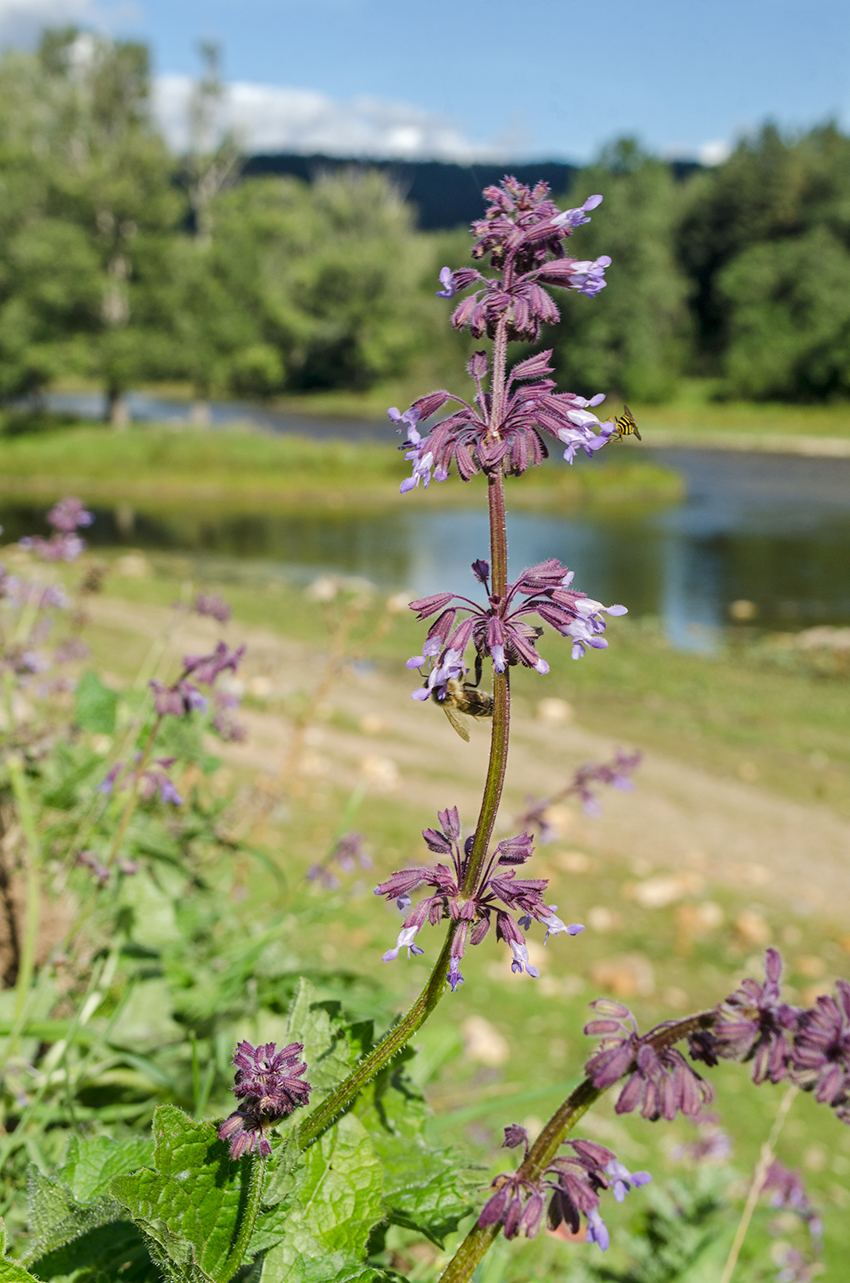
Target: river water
<point x="769" y="529"/>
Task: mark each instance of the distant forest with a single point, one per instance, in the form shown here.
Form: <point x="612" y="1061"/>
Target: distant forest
<point x="444" y="194"/>
<point x="123" y="264"/>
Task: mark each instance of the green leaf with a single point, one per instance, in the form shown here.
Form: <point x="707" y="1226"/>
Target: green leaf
<point x="95" y="705"/>
<point x="425" y="1189"/>
<point x="331" y="1211"/>
<point x="91" y="1164"/>
<point x="116" y="1250"/>
<point x="327" y="1050"/>
<point x="77" y="1227"/>
<point x="193" y="1204"/>
<point x="10" y="1271"/>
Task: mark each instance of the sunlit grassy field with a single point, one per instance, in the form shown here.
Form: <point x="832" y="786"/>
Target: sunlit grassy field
<point x="506" y="1049"/>
<point x="238" y="469"/>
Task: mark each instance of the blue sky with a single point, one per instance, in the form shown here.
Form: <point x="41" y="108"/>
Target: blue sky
<point x="555" y="78"/>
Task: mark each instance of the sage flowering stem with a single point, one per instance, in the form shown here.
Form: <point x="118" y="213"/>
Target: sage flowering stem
<point x="500" y="733"/>
<point x="474" y="1247"/>
<point x="401" y="1034"/>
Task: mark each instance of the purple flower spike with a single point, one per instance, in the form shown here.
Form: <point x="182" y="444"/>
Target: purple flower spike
<point x="820" y="1058"/>
<point x="500" y="894"/>
<point x="500" y="629"/>
<point x="754" y="1024"/>
<point x="269" y="1085"/>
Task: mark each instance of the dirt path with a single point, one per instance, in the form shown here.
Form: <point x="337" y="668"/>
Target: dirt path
<point x="679" y="817"/>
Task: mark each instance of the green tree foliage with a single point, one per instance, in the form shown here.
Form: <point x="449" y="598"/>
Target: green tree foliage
<point x="82" y="270"/>
<point x="332" y="274"/>
<point x="765" y="241"/>
<point x="788" y="306"/>
<point x="631" y="338"/>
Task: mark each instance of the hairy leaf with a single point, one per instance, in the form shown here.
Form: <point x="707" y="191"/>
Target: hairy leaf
<point x="327" y="1050"/>
<point x="425" y="1189"/>
<point x="77" y="1227"/>
<point x="10" y="1271"/>
<point x="331" y="1212"/>
<point x="192" y="1204"/>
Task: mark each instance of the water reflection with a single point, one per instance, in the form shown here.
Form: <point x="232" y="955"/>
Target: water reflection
<point x="772" y="531"/>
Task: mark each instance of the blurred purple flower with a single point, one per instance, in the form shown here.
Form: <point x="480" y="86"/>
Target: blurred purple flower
<point x="64" y="544"/>
<point x="107" y="785"/>
<point x="89" y="860"/>
<point x="213" y="606"/>
<point x="754" y="1024"/>
<point x="69" y="513"/>
<point x="616" y="773"/>
<point x="348" y="853"/>
<point x="156" y="780"/>
<point x="206" y="668"/>
<point x="788" y="1193"/>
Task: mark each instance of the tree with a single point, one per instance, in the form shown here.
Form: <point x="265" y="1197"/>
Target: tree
<point x="770" y="190"/>
<point x="631" y="338"/>
<point x="333" y="274"/>
<point x="787" y="318"/>
<point x="107" y="175"/>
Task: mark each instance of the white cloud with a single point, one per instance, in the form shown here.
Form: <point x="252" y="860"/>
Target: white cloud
<point x="714" y="153"/>
<point x="267" y="118"/>
<point x="711" y="153"/>
<point x="22" y="21"/>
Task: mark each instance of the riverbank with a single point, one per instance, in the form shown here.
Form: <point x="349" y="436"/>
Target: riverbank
<point x="240" y="468"/>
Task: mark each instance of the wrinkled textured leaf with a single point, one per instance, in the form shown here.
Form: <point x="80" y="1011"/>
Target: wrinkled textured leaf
<point x="78" y="1228"/>
<point x="327" y="1050"/>
<point x="331" y="1212"/>
<point x="112" y="1251"/>
<point x="192" y="1204"/>
<point x="425" y="1189"/>
<point x="91" y="1164"/>
<point x="95" y="705"/>
<point x="10" y="1271"/>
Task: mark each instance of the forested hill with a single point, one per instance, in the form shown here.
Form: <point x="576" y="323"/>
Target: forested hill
<point x="443" y="194"/>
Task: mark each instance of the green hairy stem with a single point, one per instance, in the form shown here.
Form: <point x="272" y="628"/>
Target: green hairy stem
<point x="474" y="1247"/>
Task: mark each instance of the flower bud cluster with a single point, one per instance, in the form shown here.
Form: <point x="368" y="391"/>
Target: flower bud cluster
<point x="809" y="1047"/>
<point x="269" y="1085"/>
<point x="660" y="1081"/>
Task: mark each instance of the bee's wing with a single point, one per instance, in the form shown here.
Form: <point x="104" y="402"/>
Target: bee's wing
<point x="455" y="721"/>
<point x="633" y="427"/>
